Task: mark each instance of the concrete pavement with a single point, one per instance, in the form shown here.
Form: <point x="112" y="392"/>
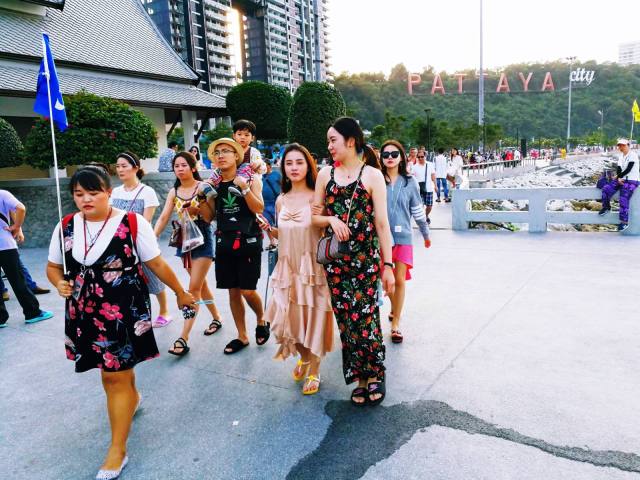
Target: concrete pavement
<point x="520" y="361"/>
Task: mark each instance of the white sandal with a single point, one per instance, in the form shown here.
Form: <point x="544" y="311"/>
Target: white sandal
<point x="112" y="474"/>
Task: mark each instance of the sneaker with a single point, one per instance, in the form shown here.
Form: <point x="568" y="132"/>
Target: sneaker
<point x="161" y="321"/>
<point x="6" y="296"/>
<point x="3" y="323"/>
<point x="44" y="315"/>
<point x="448" y="200"/>
<point x="622" y="227"/>
<point x="438" y="200"/>
<point x="603" y="211"/>
<point x="40" y="291"/>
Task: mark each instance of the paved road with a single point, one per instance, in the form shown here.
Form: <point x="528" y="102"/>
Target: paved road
<point x="520" y="361"/>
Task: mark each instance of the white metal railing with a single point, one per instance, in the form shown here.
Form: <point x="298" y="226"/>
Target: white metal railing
<point x="537" y="215"/>
<point x="483" y="168"/>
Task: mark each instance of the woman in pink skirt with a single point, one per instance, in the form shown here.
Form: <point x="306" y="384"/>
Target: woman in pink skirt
<point x="403" y="203"/>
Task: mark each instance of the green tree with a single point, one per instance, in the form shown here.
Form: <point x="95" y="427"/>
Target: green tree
<point x="99" y="129"/>
<point x="315" y="106"/>
<point x="221" y="130"/>
<point x="264" y="104"/>
<point x="10" y="145"/>
<point x="177" y="135"/>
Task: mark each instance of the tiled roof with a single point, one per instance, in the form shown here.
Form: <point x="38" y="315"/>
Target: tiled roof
<point x="20" y="77"/>
<point x="113" y="34"/>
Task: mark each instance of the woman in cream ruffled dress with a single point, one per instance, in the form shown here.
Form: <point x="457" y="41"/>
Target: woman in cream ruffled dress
<point x="300" y="308"/>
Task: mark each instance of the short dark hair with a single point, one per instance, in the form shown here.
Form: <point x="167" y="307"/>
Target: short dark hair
<point x="93" y="177"/>
<point x="173" y="144"/>
<point x="191" y="161"/>
<point x="441" y="150"/>
<point x="245" y="125"/>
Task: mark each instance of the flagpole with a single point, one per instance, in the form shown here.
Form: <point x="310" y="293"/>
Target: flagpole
<point x="55" y="155"/>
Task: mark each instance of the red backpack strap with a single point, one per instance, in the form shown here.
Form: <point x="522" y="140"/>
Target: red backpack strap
<point x="133" y="227"/>
<point x="66" y="220"/>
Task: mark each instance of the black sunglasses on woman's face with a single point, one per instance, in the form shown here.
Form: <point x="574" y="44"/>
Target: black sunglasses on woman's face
<point x="394" y="154"/>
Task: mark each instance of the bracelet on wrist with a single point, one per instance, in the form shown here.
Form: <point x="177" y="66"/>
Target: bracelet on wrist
<point x="388" y="264"/>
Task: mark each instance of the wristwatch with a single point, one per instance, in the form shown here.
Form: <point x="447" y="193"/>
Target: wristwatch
<point x="245" y="191"/>
<point x="388" y="264"/>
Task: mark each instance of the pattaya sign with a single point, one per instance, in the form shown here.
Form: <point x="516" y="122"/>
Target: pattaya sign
<point x="579" y="75"/>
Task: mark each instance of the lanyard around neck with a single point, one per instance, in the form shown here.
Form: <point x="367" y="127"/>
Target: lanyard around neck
<point x="87" y="249"/>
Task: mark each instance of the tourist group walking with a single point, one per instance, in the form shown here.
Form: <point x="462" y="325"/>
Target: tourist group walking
<point x="342" y="236"/>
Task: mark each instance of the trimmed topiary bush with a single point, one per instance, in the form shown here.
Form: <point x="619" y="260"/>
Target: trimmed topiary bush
<point x="265" y="105"/>
<point x="99" y="129"/>
<point x="10" y="145"/>
<point x="315" y="106"/>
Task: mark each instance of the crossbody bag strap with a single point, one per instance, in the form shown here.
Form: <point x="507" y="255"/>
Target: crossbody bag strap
<point x="135" y="198"/>
<point x="354" y="194"/>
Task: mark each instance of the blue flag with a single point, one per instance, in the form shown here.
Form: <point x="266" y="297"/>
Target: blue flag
<point x="41" y="106"/>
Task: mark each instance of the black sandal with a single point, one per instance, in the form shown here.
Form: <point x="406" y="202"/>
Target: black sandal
<point x="234" y="346"/>
<point x="263" y="332"/>
<point x="180" y="343"/>
<point x="359" y="392"/>
<point x="215" y="323"/>
<point x="376" y="388"/>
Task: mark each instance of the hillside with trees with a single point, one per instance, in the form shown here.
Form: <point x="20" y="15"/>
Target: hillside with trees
<point x="384" y="106"/>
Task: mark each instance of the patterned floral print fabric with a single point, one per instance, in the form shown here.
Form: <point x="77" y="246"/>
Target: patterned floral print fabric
<point x="109" y="325"/>
<point x="353" y="281"/>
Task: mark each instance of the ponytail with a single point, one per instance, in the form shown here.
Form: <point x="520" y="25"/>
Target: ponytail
<point x="370" y="158"/>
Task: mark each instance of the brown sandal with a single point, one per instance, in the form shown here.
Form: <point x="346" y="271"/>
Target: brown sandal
<point x="396" y="336"/>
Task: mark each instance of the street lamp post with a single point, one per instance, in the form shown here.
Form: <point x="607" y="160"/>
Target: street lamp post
<point x="571" y="59"/>
<point x="601" y="112"/>
<point x="481" y="85"/>
<point x="428" y="112"/>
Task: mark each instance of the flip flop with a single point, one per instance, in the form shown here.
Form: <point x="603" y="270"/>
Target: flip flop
<point x="215" y="323"/>
<point x="180" y="343"/>
<point x="234" y="346"/>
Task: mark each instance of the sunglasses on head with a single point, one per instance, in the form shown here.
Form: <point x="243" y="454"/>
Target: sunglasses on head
<point x="394" y="154"/>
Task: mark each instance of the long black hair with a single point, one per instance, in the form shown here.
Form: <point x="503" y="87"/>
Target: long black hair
<point x="193" y="164"/>
<point x="402" y="166"/>
<point x="349" y="128"/>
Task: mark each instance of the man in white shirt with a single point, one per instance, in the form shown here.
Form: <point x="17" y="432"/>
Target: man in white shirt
<point x="440" y="164"/>
<point x="425" y="174"/>
<point x="626" y="180"/>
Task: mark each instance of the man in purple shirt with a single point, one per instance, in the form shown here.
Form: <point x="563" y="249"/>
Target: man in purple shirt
<point x="10" y="231"/>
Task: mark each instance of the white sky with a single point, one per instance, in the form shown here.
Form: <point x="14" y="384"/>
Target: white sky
<point x="375" y="35"/>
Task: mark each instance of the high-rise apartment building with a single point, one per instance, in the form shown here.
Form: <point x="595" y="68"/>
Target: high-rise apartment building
<point x="198" y="30"/>
<point x="282" y="42"/>
<point x="629" y="53"/>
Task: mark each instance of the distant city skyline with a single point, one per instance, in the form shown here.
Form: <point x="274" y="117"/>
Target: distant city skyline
<point x="369" y="36"/>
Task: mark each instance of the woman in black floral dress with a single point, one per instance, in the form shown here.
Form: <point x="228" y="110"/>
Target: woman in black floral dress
<point x="353" y="279"/>
<point x="107" y="312"/>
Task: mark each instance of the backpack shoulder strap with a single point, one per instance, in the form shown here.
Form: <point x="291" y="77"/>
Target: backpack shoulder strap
<point x="133" y="226"/>
<point x="66" y="220"/>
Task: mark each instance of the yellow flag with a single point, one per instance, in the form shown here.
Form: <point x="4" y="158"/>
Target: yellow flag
<point x="636" y="111"/>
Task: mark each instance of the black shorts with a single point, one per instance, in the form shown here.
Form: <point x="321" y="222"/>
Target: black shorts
<point x="239" y="269"/>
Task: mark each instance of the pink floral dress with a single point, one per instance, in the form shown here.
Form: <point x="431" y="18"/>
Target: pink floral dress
<point x="108" y="326"/>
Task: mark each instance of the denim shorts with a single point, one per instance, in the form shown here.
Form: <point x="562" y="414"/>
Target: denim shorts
<point x="208" y="248"/>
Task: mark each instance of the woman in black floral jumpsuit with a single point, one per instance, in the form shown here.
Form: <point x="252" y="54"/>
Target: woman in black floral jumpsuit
<point x="353" y="279"/>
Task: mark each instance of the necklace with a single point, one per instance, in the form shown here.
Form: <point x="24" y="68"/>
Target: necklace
<point x="132" y="188"/>
<point x="87" y="246"/>
<point x="349" y="173"/>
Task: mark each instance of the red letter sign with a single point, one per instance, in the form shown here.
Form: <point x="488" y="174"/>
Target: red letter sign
<point x="548" y="83"/>
<point x="437" y="85"/>
<point x="414" y="79"/>
<point x="503" y="84"/>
